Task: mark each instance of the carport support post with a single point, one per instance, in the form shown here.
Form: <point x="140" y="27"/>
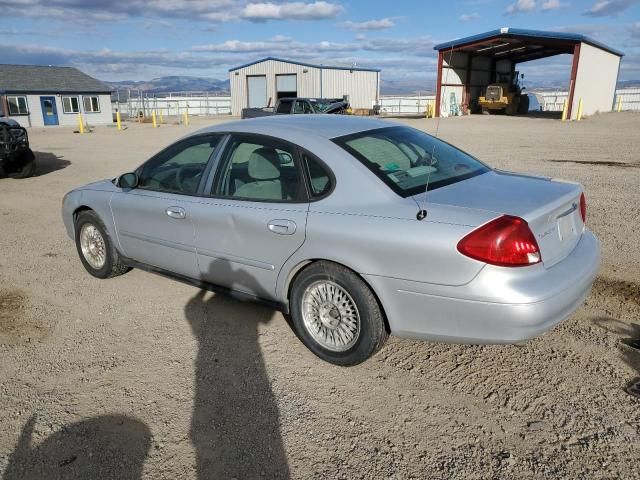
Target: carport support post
<point x="436" y="110"/>
<point x="5" y="105"/>
<point x="574" y="74"/>
<point x="467" y="86"/>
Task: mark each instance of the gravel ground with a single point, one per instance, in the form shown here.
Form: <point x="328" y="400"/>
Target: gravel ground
<point x="144" y="377"/>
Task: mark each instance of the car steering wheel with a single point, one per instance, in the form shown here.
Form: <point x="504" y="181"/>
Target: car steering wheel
<point x="182" y="176"/>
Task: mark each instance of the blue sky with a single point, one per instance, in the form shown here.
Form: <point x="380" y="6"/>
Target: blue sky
<point x="145" y="39"/>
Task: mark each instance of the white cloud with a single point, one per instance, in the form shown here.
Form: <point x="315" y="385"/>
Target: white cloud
<point x="605" y="8"/>
<point x="287" y="47"/>
<point x="469" y="17"/>
<point x="608" y="33"/>
<point x="381" y="24"/>
<point x="521" y="6"/>
<point x="214" y="11"/>
<point x="277" y="46"/>
<point x="290" y="11"/>
<point x="552" y="5"/>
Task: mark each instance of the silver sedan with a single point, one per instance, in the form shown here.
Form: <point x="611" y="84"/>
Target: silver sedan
<point x="357" y="228"/>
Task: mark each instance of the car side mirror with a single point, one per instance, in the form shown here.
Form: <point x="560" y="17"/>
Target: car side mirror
<point x="127" y="180"/>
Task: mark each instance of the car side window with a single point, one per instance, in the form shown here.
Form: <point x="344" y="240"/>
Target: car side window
<point x="179" y="168"/>
<point x="258" y="169"/>
<point x="284" y="106"/>
<point x="317" y="175"/>
<point x="302" y="106"/>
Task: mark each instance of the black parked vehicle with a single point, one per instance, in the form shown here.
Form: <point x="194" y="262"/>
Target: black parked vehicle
<point x="288" y="106"/>
<point x="16" y="158"/>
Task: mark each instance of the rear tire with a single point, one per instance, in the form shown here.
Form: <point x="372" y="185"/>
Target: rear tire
<point x="336" y="315"/>
<point x="95" y="248"/>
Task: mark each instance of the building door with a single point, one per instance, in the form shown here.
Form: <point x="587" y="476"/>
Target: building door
<point x="49" y="110"/>
<point x="257" y="86"/>
<point x="286" y="86"/>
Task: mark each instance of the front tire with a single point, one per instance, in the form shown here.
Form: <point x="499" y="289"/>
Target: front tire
<point x="28" y="162"/>
<point x="95" y="248"/>
<point x="336" y="315"/>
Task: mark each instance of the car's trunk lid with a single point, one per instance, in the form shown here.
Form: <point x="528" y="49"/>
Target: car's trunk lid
<point x="551" y="208"/>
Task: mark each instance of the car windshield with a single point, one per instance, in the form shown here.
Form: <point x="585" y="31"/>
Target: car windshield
<point x="321" y="105"/>
<point x="407" y="159"/>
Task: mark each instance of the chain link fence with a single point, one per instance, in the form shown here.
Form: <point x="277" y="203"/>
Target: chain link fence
<point x="553" y="101"/>
<point x="134" y="104"/>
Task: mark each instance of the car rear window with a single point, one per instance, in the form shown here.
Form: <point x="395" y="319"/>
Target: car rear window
<point x="408" y="160"/>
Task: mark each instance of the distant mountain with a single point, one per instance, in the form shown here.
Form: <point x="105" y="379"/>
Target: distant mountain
<point x="406" y="87"/>
<point x="387" y="87"/>
<point x="174" y="83"/>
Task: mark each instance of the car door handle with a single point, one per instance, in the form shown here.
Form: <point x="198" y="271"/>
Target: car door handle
<point x="176" y="212"/>
<point x="282" y="227"/>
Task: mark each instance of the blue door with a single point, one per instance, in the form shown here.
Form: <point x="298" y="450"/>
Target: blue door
<point x="49" y="110"/>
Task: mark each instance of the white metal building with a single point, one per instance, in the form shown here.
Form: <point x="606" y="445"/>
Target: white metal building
<point x="261" y="83"/>
<point x="38" y="96"/>
<point x="467" y="65"/>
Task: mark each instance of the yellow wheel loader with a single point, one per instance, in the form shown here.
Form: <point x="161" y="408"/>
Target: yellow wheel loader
<point x="504" y="96"/>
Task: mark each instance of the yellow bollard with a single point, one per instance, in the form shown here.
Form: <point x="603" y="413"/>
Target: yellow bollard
<point x="619" y="103"/>
<point x="579" y="117"/>
<point x="565" y="107"/>
<point x="161" y="118"/>
<point x="118" y="121"/>
<point x="153" y="118"/>
<point x="186" y="118"/>
<point x="429" y="112"/>
<point x="80" y="123"/>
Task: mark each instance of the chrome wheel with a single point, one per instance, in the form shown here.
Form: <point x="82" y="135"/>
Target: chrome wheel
<point x="93" y="247"/>
<point x="330" y="316"/>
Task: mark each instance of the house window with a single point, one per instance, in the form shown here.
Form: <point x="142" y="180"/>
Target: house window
<point x="17" y="105"/>
<point x="70" y="105"/>
<point x="91" y="104"/>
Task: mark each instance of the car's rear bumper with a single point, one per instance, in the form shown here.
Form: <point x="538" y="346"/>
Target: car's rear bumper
<point x="500" y="305"/>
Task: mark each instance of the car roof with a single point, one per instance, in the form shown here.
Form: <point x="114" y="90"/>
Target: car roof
<point x="293" y="126"/>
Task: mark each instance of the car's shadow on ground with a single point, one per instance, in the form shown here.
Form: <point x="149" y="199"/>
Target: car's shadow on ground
<point x="105" y="447"/>
<point x="48" y="162"/>
<point x="235" y="426"/>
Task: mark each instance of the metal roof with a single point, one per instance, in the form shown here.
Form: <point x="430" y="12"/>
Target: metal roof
<point x="325" y="67"/>
<point x="42" y="79"/>
<point x="521" y="44"/>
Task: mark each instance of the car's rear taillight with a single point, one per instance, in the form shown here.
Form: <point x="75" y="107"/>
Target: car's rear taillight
<point x="583" y="208"/>
<point x="506" y="241"/>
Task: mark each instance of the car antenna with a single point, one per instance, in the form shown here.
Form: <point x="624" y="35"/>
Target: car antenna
<point x="422" y="212"/>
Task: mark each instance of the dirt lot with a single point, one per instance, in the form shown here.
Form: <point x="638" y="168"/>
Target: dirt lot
<point x="143" y="377"/>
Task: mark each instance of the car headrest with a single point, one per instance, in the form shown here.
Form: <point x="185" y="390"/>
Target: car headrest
<point x="264" y="164"/>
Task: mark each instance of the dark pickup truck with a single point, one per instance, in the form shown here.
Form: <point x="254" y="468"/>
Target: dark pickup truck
<point x="287" y="106"/>
<point x="16" y="158"/>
